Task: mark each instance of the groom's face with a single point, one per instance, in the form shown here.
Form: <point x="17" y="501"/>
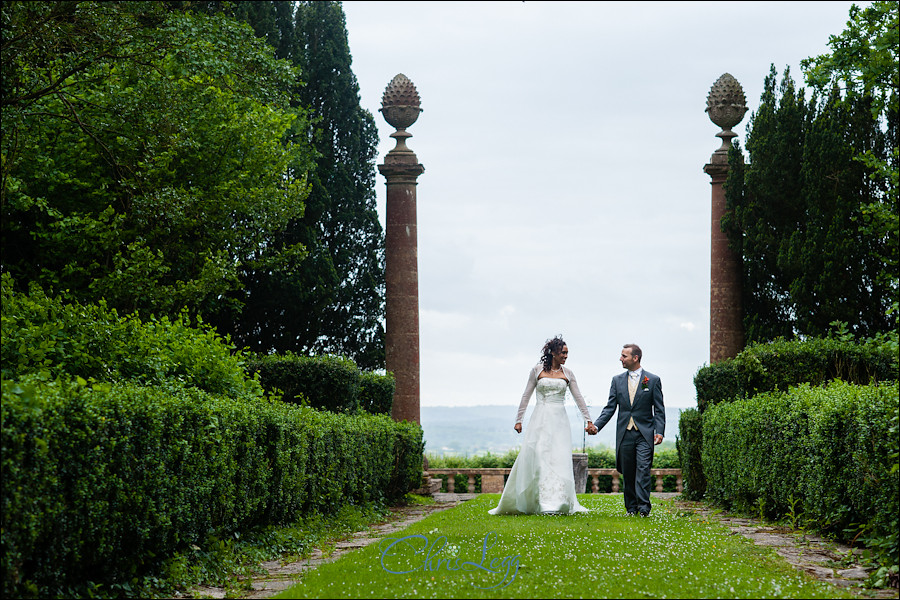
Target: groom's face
<point x="628" y="361"/>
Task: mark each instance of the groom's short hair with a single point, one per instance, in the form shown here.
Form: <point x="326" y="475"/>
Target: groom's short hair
<point x="635" y="351"/>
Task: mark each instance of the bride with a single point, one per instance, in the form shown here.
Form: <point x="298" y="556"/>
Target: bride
<point x="541" y="480"/>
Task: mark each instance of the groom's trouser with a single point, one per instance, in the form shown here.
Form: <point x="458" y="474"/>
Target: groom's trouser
<point x="637" y="458"/>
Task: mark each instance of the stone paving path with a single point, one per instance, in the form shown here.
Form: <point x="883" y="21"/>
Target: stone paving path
<point x="819" y="557"/>
<point x="824" y="559"/>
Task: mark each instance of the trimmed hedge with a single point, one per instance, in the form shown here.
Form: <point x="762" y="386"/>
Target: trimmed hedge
<point x="330" y="383"/>
<point x="690" y="448"/>
<point x="125" y="441"/>
<point x="823" y="456"/>
<point x="376" y="392"/>
<point x="101" y="482"/>
<point x="777" y="365"/>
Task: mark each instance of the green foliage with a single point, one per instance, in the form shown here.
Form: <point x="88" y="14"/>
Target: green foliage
<point x="602" y="458"/>
<point x="777" y="366"/>
<point x="327" y="382"/>
<point x="823" y="456"/>
<point x="864" y="63"/>
<point x="864" y="57"/>
<point x="43" y="335"/>
<point x="103" y="481"/>
<point x="690" y="453"/>
<point x="125" y="441"/>
<point x="333" y="302"/>
<point x="488" y="460"/>
<point x="376" y="392"/>
<point x="75" y="35"/>
<point x="763" y="367"/>
<point x="797" y="215"/>
<point x="150" y="158"/>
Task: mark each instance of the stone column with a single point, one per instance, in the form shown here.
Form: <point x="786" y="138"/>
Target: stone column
<point x="726" y="106"/>
<point x="400" y="108"/>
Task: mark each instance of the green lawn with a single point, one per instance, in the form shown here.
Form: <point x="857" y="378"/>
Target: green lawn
<point x="466" y="553"/>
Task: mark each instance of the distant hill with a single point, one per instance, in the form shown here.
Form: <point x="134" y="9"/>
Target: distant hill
<point x="478" y="429"/>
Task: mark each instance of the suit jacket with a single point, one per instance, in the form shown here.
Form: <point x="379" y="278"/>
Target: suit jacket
<point x="648" y="410"/>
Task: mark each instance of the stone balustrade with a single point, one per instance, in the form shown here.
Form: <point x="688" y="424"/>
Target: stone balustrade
<point x="492" y="479"/>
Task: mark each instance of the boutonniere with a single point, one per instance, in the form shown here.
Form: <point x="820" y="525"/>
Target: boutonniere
<point x="644" y="382"/>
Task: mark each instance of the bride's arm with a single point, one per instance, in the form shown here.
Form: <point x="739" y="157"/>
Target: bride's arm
<point x="526" y="396"/>
<point x="576" y="393"/>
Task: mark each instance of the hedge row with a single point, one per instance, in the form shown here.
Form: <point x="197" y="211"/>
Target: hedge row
<point x="100" y="482"/>
<point x="690" y="450"/>
<point x="827" y="456"/>
<point x="327" y="382"/>
<point x="777" y="365"/>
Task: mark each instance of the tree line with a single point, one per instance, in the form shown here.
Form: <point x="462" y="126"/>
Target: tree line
<point x="206" y="157"/>
<point x="212" y="157"/>
<point x="814" y="214"/>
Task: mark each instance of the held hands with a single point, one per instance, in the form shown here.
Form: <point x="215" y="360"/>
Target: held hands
<point x="657" y="439"/>
<point x="518" y="428"/>
<point x="591" y="429"/>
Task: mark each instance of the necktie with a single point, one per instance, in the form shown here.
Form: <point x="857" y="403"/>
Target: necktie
<point x="632" y="390"/>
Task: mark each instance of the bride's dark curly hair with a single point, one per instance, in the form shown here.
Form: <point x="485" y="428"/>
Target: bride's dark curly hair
<point x="552" y="347"/>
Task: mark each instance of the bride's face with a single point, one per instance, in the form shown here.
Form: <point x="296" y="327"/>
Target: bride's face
<point x="562" y="355"/>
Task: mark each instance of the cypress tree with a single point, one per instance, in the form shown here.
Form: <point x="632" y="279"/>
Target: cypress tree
<point x="796" y="216"/>
<point x="333" y="300"/>
<point x="343" y="184"/>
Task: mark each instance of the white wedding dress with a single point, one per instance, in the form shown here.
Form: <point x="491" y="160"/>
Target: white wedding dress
<point x="541" y="480"/>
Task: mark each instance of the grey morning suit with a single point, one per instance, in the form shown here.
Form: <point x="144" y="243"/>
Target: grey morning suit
<point x="638" y="421"/>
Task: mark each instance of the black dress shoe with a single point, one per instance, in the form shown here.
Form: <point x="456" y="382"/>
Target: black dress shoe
<point x="631" y="513"/>
<point x="645" y="514"/>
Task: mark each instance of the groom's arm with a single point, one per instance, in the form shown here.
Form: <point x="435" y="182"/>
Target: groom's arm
<point x="659" y="412"/>
<point x="608" y="410"/>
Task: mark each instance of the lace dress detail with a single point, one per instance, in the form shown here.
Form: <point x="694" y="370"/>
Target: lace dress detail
<point x="541" y="480"/>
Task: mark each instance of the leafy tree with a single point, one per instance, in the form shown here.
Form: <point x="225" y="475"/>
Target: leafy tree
<point x="864" y="64"/>
<point x="144" y="154"/>
<point x="796" y="216"/>
<point x="333" y="302"/>
<point x="865" y="58"/>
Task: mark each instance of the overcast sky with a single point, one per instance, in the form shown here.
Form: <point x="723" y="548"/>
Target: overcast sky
<point x="564" y="192"/>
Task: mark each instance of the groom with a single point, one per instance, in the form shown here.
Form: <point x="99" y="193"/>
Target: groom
<point x="641" y="424"/>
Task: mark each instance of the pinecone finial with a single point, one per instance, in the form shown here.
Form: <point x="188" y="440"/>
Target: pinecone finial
<point x="726" y="103"/>
<point x="400" y="103"/>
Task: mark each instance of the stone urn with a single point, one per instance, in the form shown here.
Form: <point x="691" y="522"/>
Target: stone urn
<point x="580" y="471"/>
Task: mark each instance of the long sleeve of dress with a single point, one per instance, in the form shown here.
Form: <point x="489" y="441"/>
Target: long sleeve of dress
<point x="529" y="389"/>
<point x="532" y="383"/>
<point x="576" y="393"/>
